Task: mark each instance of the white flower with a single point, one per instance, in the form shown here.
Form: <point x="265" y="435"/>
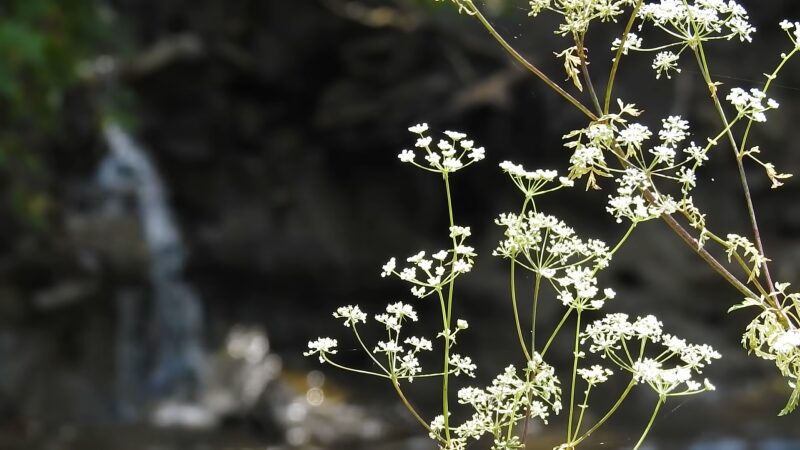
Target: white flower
<point x="457" y="231"/>
<point x="446" y="148"/>
<point x="632" y="42"/>
<point x="406" y="156"/>
<point x="452" y="164"/>
<point x="389" y="347"/>
<point x="418" y="291"/>
<point x="409" y="367"/>
<point x="419" y="128"/>
<point x="423" y="142"/>
<point x="391" y="322"/>
<point x="416" y="258"/>
<point x="647" y="370"/>
<point x="537" y="6"/>
<point x="665" y="62"/>
<point x="673" y="130"/>
<point x="595" y="375"/>
<point x="455" y="135"/>
<point x="462" y="364"/>
<point x="440" y="255"/>
<point x="401" y="311"/>
<point x="477" y="154"/>
<point x="462" y="266"/>
<point x="322" y="346"/>
<point x="389" y="267"/>
<point x="419" y="343"/>
<point x="408" y="274"/>
<point x="788" y="341"/>
<point x="350" y="314"/>
<point x="647" y="327"/>
<point x="634" y="135"/>
<point x="465" y="250"/>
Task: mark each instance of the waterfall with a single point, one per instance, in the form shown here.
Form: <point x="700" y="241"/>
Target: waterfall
<point x="179" y="362"/>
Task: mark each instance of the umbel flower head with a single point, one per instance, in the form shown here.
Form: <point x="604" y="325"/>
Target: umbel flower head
<point x="446" y="156"/>
<point x="670" y="372"/>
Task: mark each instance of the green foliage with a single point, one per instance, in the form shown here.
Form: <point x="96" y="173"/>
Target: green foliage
<point x="41" y="44"/>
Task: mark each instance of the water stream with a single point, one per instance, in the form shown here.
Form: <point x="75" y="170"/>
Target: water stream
<point x="179" y="363"/>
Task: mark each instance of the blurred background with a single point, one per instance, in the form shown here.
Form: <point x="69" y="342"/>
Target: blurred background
<point x="190" y="188"/>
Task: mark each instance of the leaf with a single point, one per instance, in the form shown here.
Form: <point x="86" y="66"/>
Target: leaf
<point x="745" y="304"/>
<point x="571" y="63"/>
<point x="794" y="399"/>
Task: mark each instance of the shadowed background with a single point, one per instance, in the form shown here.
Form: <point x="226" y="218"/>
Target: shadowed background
<point x="190" y="188"/>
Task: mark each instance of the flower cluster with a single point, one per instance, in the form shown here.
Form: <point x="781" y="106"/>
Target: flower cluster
<point x="322" y="347"/>
<point x="750" y="104"/>
<point x="774" y="335"/>
<point x="578" y="14"/>
<point x="448" y="156"/>
<point x="429" y="273"/>
<point x="612" y="335"/>
<point x="687" y="24"/>
<point x="632" y="42"/>
<point x="400" y="355"/>
<point x="534" y="182"/>
<point x="508" y="400"/>
<point x="793" y="30"/>
<point x="630" y="202"/>
<point x="595" y="375"/>
<point x="637" y="198"/>
<point x="546" y="245"/>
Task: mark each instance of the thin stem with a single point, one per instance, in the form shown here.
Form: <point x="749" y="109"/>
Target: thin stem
<point x="584" y="406"/>
<point x="701" y="60"/>
<point x="350" y="369"/>
<point x="536" y="287"/>
<point x="707" y="257"/>
<point x="649" y="424"/>
<point x="586" y="77"/>
<point x="618" y="57"/>
<point x="555" y="332"/>
<point x="516" y="312"/>
<point x="446" y="318"/>
<point x="770" y="77"/>
<point x="608" y="414"/>
<point x="576" y="356"/>
<point x="366" y="350"/>
<point x="408" y="405"/>
<point x="525" y="63"/>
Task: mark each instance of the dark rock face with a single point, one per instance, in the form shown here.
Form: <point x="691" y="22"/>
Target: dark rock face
<point x="277" y="147"/>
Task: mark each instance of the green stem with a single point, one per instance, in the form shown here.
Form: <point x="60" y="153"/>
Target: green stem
<point x="536" y="286"/>
<point x="649" y="424"/>
<point x="618" y="57"/>
<point x="586" y="77"/>
<point x="574" y="375"/>
<point x="408" y="405"/>
<point x="366" y="350"/>
<point x="771" y="77"/>
<point x="350" y="369"/>
<point x="446" y="318"/>
<point x="516" y="312"/>
<point x="607" y="416"/>
<point x="525" y="63"/>
<point x="555" y="332"/>
<point x="584" y="406"/>
<point x="702" y="62"/>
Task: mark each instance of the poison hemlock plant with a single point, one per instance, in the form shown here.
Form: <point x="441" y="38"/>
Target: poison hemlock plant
<point x="653" y="173"/>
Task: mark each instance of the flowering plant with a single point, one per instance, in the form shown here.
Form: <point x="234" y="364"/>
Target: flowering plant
<point x="653" y="172"/>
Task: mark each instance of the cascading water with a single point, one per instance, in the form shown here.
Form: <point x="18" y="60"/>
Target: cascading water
<point x="179" y="363"/>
